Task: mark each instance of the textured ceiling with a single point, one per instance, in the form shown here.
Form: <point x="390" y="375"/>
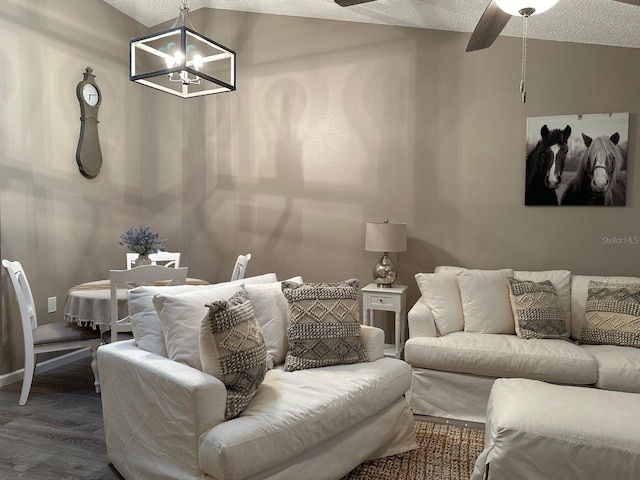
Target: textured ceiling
<point x="603" y="22"/>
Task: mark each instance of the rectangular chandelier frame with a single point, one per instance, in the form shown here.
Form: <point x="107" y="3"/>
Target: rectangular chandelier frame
<point x="144" y="52"/>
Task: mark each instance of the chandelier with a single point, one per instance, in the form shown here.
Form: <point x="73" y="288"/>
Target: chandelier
<point x="182" y="62"/>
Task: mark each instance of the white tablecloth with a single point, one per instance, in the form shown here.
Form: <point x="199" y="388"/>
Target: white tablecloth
<point x="89" y="304"/>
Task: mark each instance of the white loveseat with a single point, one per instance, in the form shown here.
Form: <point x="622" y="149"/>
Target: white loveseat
<point x="165" y="419"/>
<point x="454" y="366"/>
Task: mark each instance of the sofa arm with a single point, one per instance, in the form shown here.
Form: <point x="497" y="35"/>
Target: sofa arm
<point x="155" y="410"/>
<point x="373" y="341"/>
<point x="421" y="321"/>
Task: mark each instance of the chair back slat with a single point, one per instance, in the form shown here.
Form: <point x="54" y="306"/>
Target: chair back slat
<point x="23" y="293"/>
<point x="167" y="259"/>
<point x="138" y="276"/>
<point x="240" y="267"/>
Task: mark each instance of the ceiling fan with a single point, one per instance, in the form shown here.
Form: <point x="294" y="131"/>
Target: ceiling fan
<point x="348" y="3"/>
<point x="498" y="13"/>
<point x="495" y="18"/>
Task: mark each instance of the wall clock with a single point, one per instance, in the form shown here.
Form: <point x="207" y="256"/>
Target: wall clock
<point x="88" y="153"/>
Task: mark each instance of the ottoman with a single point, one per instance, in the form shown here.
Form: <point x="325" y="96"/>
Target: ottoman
<point x="537" y="430"/>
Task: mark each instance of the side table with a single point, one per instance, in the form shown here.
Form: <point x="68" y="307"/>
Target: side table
<point x="392" y="299"/>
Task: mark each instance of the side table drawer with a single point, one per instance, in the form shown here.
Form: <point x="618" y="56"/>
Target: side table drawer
<point x="382" y="301"/>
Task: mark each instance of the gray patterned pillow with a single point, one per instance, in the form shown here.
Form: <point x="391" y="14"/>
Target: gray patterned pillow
<point x="612" y="314"/>
<point x="536" y="310"/>
<point x="237" y="354"/>
<point x="324" y="325"/>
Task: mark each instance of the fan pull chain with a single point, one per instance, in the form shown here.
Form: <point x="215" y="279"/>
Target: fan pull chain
<point x="523" y="90"/>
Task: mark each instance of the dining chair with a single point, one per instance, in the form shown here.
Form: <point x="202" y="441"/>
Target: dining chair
<point x="51" y="337"/>
<point x="240" y="267"/>
<point x="135" y="277"/>
<point x="168" y="259"/>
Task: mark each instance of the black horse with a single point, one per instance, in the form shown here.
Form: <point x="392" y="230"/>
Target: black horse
<point x="598" y="180"/>
<point x="545" y="164"/>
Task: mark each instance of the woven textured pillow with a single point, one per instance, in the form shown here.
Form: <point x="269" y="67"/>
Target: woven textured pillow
<point x="612" y="314"/>
<point x="233" y="350"/>
<point x="324" y="325"/>
<point x="537" y="310"/>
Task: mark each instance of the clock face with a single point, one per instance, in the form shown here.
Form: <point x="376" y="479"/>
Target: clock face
<point x="90" y="94"/>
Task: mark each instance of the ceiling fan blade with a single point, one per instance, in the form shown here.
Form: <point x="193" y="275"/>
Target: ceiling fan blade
<point x="630" y="2"/>
<point x="491" y="23"/>
<point x="348" y="3"/>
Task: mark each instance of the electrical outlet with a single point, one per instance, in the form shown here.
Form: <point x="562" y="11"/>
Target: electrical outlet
<point x="52" y="304"/>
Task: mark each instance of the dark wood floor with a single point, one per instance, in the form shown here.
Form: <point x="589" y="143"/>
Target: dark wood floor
<point x="58" y="434"/>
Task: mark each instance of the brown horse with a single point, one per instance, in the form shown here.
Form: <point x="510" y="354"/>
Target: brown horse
<point x="598" y="180"/>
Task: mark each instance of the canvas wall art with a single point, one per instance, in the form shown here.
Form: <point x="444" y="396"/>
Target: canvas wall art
<point x="577" y="160"/>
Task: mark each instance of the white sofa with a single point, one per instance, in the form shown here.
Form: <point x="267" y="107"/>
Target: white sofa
<point x="165" y="419"/>
<point x="454" y="368"/>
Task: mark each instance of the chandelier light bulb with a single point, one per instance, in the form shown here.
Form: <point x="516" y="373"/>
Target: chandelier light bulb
<point x="197" y="62"/>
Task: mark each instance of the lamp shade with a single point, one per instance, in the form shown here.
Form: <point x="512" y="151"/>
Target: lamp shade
<point x="513" y="7"/>
<point x="386" y="237"/>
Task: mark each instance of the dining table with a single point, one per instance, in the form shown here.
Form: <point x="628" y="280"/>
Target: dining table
<point x="89" y="304"/>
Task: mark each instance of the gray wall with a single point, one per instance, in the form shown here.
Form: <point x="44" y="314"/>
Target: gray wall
<point x="61" y="226"/>
<point x="333" y="124"/>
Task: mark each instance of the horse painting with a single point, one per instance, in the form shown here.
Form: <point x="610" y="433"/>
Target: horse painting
<point x="545" y="164"/>
<point x="598" y="180"/>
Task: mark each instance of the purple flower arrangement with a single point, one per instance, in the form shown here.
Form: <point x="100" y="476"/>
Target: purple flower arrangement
<point x="142" y="240"/>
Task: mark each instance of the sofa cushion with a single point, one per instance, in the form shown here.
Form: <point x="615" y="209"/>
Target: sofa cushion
<point x="579" y="291"/>
<point x="181" y="317"/>
<point x="618" y="367"/>
<point x="145" y="323"/>
<point x="561" y="281"/>
<point x="440" y="292"/>
<point x="324" y="324"/>
<point x="612" y="314"/>
<point x="294" y="411"/>
<point x="232" y="349"/>
<point x="270" y="308"/>
<point x="485" y="301"/>
<point x="536" y="310"/>
<point x="556" y="361"/>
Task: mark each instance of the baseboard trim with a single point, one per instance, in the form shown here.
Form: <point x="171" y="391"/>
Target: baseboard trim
<point x="52" y="363"/>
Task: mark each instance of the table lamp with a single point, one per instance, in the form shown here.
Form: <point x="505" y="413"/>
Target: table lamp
<point x="385" y="237"/>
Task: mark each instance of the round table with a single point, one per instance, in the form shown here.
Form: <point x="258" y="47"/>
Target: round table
<point x="89" y="304"/>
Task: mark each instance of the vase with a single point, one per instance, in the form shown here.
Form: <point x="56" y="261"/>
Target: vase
<point x="142" y="260"/>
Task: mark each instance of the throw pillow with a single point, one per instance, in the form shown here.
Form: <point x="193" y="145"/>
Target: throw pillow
<point x="145" y="323"/>
<point x="236" y="352"/>
<point x="537" y="310"/>
<point x="180" y="316"/>
<point x="270" y="309"/>
<point x="561" y="281"/>
<point x="324" y="325"/>
<point x="485" y="301"/>
<point x="440" y="292"/>
<point x="612" y="314"/>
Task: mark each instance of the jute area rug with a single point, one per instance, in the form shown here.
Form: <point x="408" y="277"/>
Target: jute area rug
<point x="445" y="452"/>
